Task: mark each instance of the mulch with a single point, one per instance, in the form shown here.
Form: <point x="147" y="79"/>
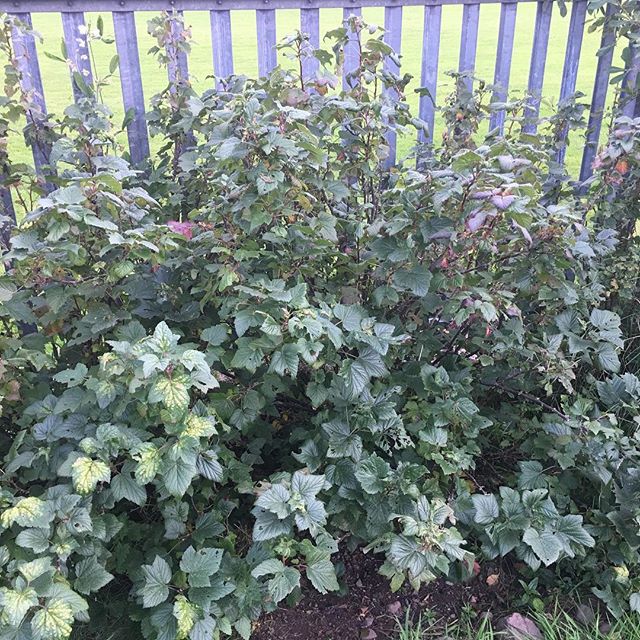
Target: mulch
<point x="370" y="611"/>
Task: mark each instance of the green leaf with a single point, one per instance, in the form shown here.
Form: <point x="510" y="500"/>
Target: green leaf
<point x="343" y="442"/>
<point x="215" y="335"/>
<point x="171" y="391"/>
<point x="90" y="576"/>
<point x="86" y="473"/>
<point x="608" y="357"/>
<point x="285" y="579"/>
<point x="545" y="545"/>
<point x="35" y="539"/>
<point x="634" y="602"/>
<point x="276" y="500"/>
<point x="201" y="565"/>
<point x="570" y="526"/>
<point x="157" y="577"/>
<point x="372" y="474"/>
<point x="124" y="487"/>
<point x="53" y="621"/>
<point x="487" y="508"/>
<point x="416" y="280"/>
<point x="149" y="459"/>
<point x="307" y="485"/>
<point x="186" y="615"/>
<point x="16" y="603"/>
<point x="72" y="377"/>
<point x="28" y="512"/>
<point x="177" y="475"/>
<point x="285" y="359"/>
<point x="322" y="575"/>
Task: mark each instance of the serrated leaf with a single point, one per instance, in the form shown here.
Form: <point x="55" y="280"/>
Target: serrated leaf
<point x="306" y="484"/>
<point x="157" y="577"/>
<point x="124" y="487"/>
<point x="86" y="473"/>
<point x="27" y="512"/>
<point x="177" y="475"/>
<point x="372" y="473"/>
<point x="186" y="615"/>
<point x="215" y="335"/>
<point x="545" y="545"/>
<point x="90" y="576"/>
<point x="200" y="565"/>
<point x="35" y="539"/>
<point x="207" y="466"/>
<point x="16" y="603"/>
<point x="487" y="508"/>
<point x="53" y="621"/>
<point x="276" y="500"/>
<point x="171" y="391"/>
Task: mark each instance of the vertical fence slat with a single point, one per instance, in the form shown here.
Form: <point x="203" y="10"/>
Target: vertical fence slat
<point x="429" y="75"/>
<point x="310" y="24"/>
<point x="538" y="62"/>
<point x="24" y="46"/>
<point x="503" y="61"/>
<point x="469" y="40"/>
<point x="124" y="26"/>
<point x="266" y="25"/>
<point x="221" y="43"/>
<point x="393" y="37"/>
<point x="629" y="94"/>
<point x="599" y="98"/>
<point x="571" y="61"/>
<point x="75" y="39"/>
<point x="178" y="65"/>
<point x="351" y="53"/>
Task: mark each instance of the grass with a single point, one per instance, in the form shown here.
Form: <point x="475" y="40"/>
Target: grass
<point x="57" y="85"/>
<point x="554" y="626"/>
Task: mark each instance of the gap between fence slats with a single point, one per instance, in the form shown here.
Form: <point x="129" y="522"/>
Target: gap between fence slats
<point x="24" y="46"/>
<point x="538" y="62"/>
<point x="429" y="73"/>
<point x="124" y="25"/>
<point x="75" y="39"/>
<point x="393" y="37"/>
<point x="571" y="62"/>
<point x="469" y="40"/>
<point x="504" y="54"/>
<point x="310" y="24"/>
<point x="266" y="28"/>
<point x="221" y="43"/>
<point x="601" y="83"/>
<point x="351" y="53"/>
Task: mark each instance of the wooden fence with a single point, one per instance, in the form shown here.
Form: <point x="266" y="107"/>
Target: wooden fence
<point x="72" y="12"/>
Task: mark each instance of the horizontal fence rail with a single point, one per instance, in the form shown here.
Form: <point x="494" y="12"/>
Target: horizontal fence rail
<point x="123" y="11"/>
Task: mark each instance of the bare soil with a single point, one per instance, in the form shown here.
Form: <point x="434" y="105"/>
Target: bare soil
<point x="370" y="611"/>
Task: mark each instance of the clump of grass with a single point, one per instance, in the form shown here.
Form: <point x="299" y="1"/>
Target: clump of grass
<point x="556" y="625"/>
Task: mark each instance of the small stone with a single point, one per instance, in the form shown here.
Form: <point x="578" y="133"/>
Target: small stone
<point x="604" y="628"/>
<point x="394" y="608"/>
<point x="584" y="615"/>
<point x="519" y="627"/>
<point x="493" y="579"/>
<point x="368" y="634"/>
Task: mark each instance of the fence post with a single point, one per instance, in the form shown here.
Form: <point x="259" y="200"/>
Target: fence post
<point x="469" y="41"/>
<point x="221" y="43"/>
<point x="599" y="98"/>
<point x="571" y="62"/>
<point x="124" y="25"/>
<point x="351" y="52"/>
<point x="24" y="46"/>
<point x="266" y="27"/>
<point x="393" y="37"/>
<point x="310" y="24"/>
<point x="504" y="53"/>
<point x="75" y="39"/>
<point x="538" y="62"/>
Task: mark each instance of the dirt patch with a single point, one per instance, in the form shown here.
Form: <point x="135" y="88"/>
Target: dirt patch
<point x="369" y="610"/>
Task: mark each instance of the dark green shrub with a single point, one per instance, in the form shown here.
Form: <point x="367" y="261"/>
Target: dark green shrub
<point x="264" y="345"/>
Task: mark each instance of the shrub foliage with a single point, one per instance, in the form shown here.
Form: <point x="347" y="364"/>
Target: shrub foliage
<point x="219" y="368"/>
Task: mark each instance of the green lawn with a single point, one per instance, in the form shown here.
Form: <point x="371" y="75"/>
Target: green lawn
<point x="58" y="89"/>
